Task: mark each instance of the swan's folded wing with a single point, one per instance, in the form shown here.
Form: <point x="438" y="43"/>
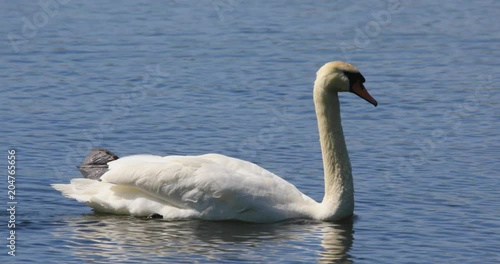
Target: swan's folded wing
<point x="204" y="182"/>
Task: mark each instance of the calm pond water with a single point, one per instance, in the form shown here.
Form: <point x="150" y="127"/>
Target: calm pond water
<point x="235" y="77"/>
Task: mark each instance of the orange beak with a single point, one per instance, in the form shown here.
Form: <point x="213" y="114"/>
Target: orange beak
<point x="359" y="89"/>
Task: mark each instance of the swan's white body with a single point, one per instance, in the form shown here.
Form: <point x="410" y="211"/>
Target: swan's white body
<point x="211" y="187"/>
<point x="217" y="187"/>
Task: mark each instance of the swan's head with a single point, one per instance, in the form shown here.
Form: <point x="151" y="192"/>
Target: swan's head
<point x="338" y="76"/>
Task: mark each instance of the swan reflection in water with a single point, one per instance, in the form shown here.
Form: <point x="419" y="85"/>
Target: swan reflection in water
<point x="97" y="237"/>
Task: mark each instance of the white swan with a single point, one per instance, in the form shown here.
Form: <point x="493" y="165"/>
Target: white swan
<point x="217" y="187"/>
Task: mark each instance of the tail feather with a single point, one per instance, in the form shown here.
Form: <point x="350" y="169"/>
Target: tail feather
<point x="110" y="198"/>
<point x="79" y="189"/>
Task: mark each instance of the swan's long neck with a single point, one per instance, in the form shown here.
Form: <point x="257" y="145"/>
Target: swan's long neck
<point x="338" y="201"/>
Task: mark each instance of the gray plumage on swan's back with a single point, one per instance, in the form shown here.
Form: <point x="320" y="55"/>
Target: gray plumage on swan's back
<point x="96" y="163"/>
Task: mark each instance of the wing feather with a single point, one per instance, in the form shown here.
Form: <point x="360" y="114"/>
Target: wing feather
<point x="205" y="183"/>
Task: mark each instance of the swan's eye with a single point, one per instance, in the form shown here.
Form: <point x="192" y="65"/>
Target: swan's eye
<point x="354" y="77"/>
